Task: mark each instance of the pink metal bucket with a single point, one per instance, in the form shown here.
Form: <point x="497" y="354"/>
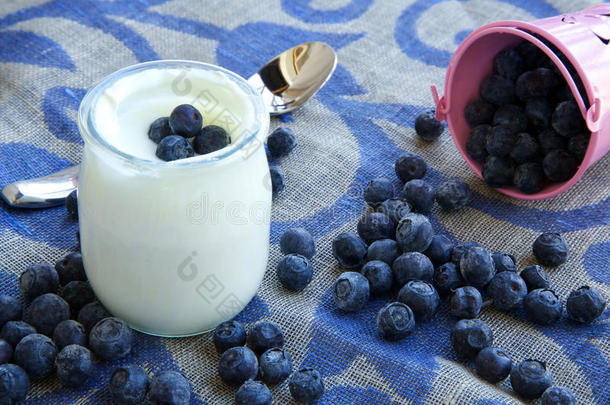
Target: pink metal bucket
<point x="584" y="39"/>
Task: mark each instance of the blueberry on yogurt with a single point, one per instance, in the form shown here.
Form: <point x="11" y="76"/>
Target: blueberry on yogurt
<point x="159" y="129"/>
<point x="185" y="120"/>
<point x="210" y="139"/>
<point x="174" y="147"/>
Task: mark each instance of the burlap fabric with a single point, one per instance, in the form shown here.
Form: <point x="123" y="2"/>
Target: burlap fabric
<point x="389" y="53"/>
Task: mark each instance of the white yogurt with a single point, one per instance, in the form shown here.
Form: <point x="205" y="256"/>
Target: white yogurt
<point x="173" y="248"/>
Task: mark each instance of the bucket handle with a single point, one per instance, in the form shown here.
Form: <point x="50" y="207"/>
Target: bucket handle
<point x="440" y="103"/>
<point x="593" y="117"/>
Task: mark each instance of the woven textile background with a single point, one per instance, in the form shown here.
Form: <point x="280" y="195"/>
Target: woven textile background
<point x="389" y="52"/>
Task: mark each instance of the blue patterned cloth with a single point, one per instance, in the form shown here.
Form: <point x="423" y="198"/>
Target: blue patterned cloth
<point x="389" y="53"/>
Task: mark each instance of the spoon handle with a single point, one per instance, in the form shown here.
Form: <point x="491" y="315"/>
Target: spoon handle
<point x="42" y="192"/>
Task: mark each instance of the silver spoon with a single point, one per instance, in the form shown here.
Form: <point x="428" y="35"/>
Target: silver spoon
<point x="285" y="82"/>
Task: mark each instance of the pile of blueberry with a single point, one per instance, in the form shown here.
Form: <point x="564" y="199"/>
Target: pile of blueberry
<point x="172" y="134"/>
<point x="527" y="129"/>
<point x="399" y="255"/>
<point x="264" y="358"/>
<point x="280" y="143"/>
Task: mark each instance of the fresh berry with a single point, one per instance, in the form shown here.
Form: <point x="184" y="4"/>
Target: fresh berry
<point x="375" y="226"/>
<point x="493" y="364"/>
<point x="13" y="331"/>
<point x="419" y="194"/>
<point x="578" y="145"/>
<point x="6" y="353"/>
<point x="550" y="140"/>
<point x="439" y="250"/>
<point x="447" y="278"/>
<point x="281" y="142"/>
<point x="512" y="117"/>
<point x="77" y="294"/>
<point x="567" y="119"/>
<point x="507" y="290"/>
<point x="306" y="385"/>
<point x="497" y="90"/>
<point x="453" y="194"/>
<point x="46" y="312"/>
<point x="476" y="144"/>
<point x="479" y="112"/>
<point x="421" y="297"/>
<point x="379" y="275"/>
<point x="210" y="139"/>
<point x="351" y="291"/>
<point x="470" y="336"/>
<point x="539" y="112"/>
<point x="91" y="314"/>
<point x="530" y="378"/>
<point x="277" y="178"/>
<point x="459" y="250"/>
<point x="349" y="250"/>
<point x="501" y="141"/>
<point x="556" y="395"/>
<point x="253" y="393"/>
<point x="74" y="365"/>
<point x="585" y="304"/>
<point x="36" y="354"/>
<point x="427" y="127"/>
<point x="535" y="277"/>
<point x="69" y="332"/>
<point x="159" y="129"/>
<point x="275" y="365"/>
<point x="504" y="262"/>
<point x="70" y="268"/>
<point x="551" y="249"/>
<point x="498" y="172"/>
<point x="412" y="266"/>
<point x="72" y="205"/>
<point x="229" y="334"/>
<point x="237" y="365"/>
<point x="542" y="306"/>
<point x="508" y="64"/>
<point x="394" y="208"/>
<point x="129" y="385"/>
<point x="559" y="165"/>
<point x="535" y="83"/>
<point x="466" y="303"/>
<point x="171" y="388"/>
<point x="10" y="309"/>
<point x="525" y="149"/>
<point x="410" y="166"/>
<point x="414" y="233"/>
<point x="264" y="335"/>
<point x="531" y="55"/>
<point x="111" y="339"/>
<point x="294" y="272"/>
<point x="298" y="241"/>
<point x="395" y="321"/>
<point x="185" y="120"/>
<point x="562" y="92"/>
<point x="14" y="384"/>
<point x="477" y="266"/>
<point x="386" y="250"/>
<point x="38" y="279"/>
<point x="174" y="147"/>
<point x="529" y="177"/>
<point x="377" y="191"/>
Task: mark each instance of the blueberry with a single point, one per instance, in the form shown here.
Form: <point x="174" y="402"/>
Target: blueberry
<point x="386" y="250"/>
<point x="567" y="119"/>
<point x="414" y="233"/>
<point x="70" y="268"/>
<point x="237" y="365"/>
<point x="281" y="142"/>
<point x="531" y="55"/>
<point x="421" y="297"/>
<point x="111" y="339"/>
<point x="542" y="306"/>
<point x="458" y="251"/>
<point x="419" y="194"/>
<point x="493" y="364"/>
<point x="535" y="277"/>
<point x="508" y="64"/>
<point x="129" y="385"/>
<point x="10" y="309"/>
<point x="447" y="278"/>
<point x="6" y="352"/>
<point x="551" y="249"/>
<point x="306" y="385"/>
<point x="185" y="120"/>
<point x="578" y="145"/>
<point x="275" y="365"/>
<point x="14" y="331"/>
<point x="559" y="166"/>
<point x="439" y="250"/>
<point x="170" y="388"/>
<point x="476" y="144"/>
<point x="174" y="147"/>
<point x="530" y="378"/>
<point x="379" y="275"/>
<point x="585" y="304"/>
<point x="377" y="191"/>
<point x="512" y="117"/>
<point x="38" y="279"/>
<point x="72" y="206"/>
<point x="453" y="194"/>
<point x="36" y="354"/>
<point x="539" y="112"/>
<point x="264" y="335"/>
<point x="529" y="177"/>
<point x="46" y="312"/>
<point x="504" y="262"/>
<point x="159" y="129"/>
<point x="427" y="127"/>
<point x="91" y="314"/>
<point x="349" y="250"/>
<point x="535" y="83"/>
<point x="477" y="266"/>
<point x="412" y="266"/>
<point x="14" y="384"/>
<point x="498" y="172"/>
<point x="74" y="365"/>
<point x="69" y="332"/>
<point x="479" y="112"/>
<point x="394" y="208"/>
<point x="77" y="294"/>
<point x="556" y="395"/>
<point x="210" y="139"/>
<point x="497" y="90"/>
<point x="277" y="178"/>
<point x="562" y="92"/>
<point x="525" y="149"/>
<point x="229" y="334"/>
<point x="507" y="290"/>
<point x="550" y="140"/>
<point x="395" y="321"/>
<point x="298" y="241"/>
<point x="253" y="393"/>
<point x="465" y="303"/>
<point x="410" y="166"/>
<point x="501" y="141"/>
<point x="351" y="291"/>
<point x="294" y="272"/>
<point x="470" y="336"/>
<point x="375" y="226"/>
